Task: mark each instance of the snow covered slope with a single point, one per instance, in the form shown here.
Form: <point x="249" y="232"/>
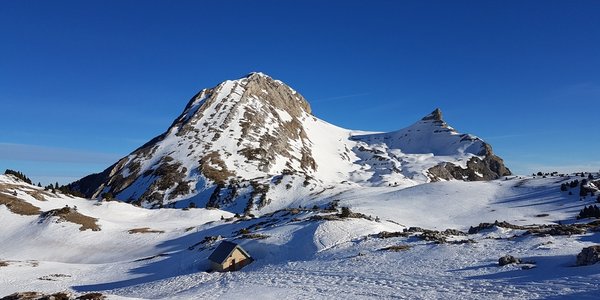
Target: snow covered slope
<point x="235" y="143"/>
<point x="308" y="252"/>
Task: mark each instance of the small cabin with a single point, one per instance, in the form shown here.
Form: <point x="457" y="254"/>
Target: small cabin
<point x="228" y="257"/>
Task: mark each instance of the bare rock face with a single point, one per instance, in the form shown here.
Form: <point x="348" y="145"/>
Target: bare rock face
<point x="240" y="129"/>
<point x="589" y="256"/>
<point x="436" y="115"/>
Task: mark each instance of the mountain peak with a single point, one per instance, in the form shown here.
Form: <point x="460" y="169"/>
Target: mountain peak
<point x="435" y="115"/>
<point x="257" y="74"/>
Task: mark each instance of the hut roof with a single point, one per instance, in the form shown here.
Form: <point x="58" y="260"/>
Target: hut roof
<point x="224" y="250"/>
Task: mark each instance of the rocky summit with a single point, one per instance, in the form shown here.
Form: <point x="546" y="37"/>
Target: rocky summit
<point x="252" y="143"/>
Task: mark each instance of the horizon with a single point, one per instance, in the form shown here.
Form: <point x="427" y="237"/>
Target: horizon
<point x="87" y="83"/>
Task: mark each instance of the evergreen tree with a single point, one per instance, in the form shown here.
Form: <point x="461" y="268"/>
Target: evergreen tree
<point x="18" y="174"/>
<point x="346" y="212"/>
<point x="592" y="211"/>
<point x="574" y="183"/>
<point x="583" y="191"/>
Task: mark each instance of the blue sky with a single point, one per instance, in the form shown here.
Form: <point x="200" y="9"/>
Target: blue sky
<point x="83" y="83"/>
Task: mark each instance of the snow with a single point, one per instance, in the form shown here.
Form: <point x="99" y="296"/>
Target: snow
<point x="308" y="259"/>
<point x="427" y="136"/>
<point x="304" y="251"/>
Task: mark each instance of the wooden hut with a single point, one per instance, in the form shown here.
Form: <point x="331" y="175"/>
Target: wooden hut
<point x="229" y="256"/>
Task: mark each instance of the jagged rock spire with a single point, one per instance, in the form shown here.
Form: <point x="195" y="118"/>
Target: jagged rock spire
<point x="435" y="115"/>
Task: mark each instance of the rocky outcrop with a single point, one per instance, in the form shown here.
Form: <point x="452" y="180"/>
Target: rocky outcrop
<point x="589" y="256"/>
<point x="489" y="168"/>
<point x="485" y="166"/>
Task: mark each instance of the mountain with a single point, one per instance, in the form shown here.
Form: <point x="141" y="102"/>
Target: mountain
<point x="248" y="143"/>
<point x="465" y="157"/>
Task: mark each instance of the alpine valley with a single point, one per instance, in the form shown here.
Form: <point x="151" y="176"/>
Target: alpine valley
<point x="424" y="212"/>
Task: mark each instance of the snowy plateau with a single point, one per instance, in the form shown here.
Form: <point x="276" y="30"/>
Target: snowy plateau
<point x="424" y="212"/>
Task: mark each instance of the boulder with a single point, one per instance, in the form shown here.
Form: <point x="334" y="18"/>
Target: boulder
<point x="507" y="260"/>
<point x="589" y="256"/>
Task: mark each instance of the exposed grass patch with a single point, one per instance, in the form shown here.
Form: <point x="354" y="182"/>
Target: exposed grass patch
<point x="38" y="195"/>
<point x="214" y="168"/>
<point x="396" y="248"/>
<point x="254" y="236"/>
<point x="387" y="235"/>
<point x="18" y="206"/>
<point x="151" y="257"/>
<point x="55" y="296"/>
<point x="54" y="277"/>
<point x="91" y="296"/>
<point x="24" y="296"/>
<point x="144" y="230"/>
<point x="71" y="215"/>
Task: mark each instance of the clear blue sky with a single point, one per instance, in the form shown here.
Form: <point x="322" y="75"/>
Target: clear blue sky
<point x="83" y="83"/>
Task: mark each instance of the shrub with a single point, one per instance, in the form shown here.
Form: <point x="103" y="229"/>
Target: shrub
<point x="346" y="212"/>
<point x="333" y="205"/>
